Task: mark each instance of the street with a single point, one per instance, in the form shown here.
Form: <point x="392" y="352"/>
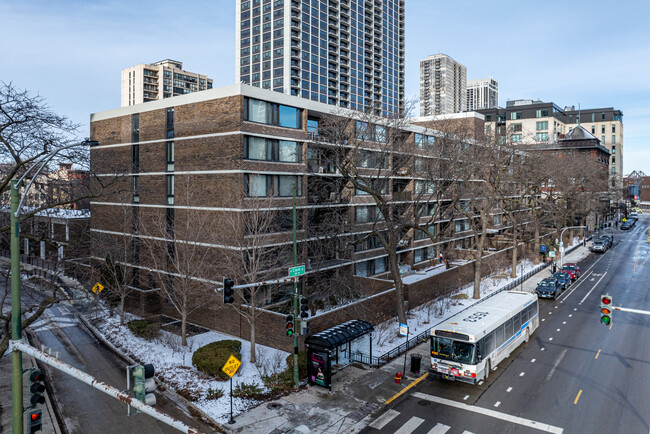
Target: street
<point x="82" y="408"/>
<point x="575" y="375"/>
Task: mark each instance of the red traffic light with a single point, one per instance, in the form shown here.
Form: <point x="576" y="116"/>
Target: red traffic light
<point x="37" y="376"/>
<point x="35" y="415"/>
<point x="606" y="299"/>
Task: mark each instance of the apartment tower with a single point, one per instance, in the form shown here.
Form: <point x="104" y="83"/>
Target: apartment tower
<point x="346" y="53"/>
<point x="482" y="93"/>
<point x="443" y="86"/>
<point x="164" y="79"/>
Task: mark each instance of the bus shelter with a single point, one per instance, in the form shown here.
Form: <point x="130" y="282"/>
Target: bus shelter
<point x="336" y="346"/>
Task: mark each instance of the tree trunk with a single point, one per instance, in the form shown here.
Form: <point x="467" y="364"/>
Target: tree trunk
<point x="479" y="258"/>
<point x="184" y="324"/>
<point x="122" y="309"/>
<point x="513" y="274"/>
<point x="252" y="359"/>
<point x="537" y="245"/>
<point x="399" y="286"/>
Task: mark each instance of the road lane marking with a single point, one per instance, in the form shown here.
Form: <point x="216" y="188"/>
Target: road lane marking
<point x="508" y="389"/>
<point x="563" y="322"/>
<point x="597" y="354"/>
<point x="384" y="419"/>
<point x="465" y="398"/>
<point x="577" y="397"/>
<point x="543" y="319"/>
<point x="522" y="374"/>
<point x="557" y="330"/>
<point x="556" y="364"/>
<point x="611" y="325"/>
<point x="542" y="349"/>
<point x="592" y="289"/>
<point x="491" y="413"/>
<point x="498" y="403"/>
<point x="410" y="426"/>
<point x="573" y="287"/>
<point x="532" y="361"/>
<point x="570" y="315"/>
<point x="550" y="339"/>
<point x="439" y="429"/>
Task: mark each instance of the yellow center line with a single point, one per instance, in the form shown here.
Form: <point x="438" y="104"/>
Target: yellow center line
<point x="577" y="397"/>
<point x="597" y="354"/>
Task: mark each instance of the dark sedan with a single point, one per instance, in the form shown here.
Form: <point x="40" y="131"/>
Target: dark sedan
<point x="549" y="288"/>
<point x="563" y="278"/>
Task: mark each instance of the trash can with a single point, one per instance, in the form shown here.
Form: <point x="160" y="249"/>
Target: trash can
<point x="415" y="363"/>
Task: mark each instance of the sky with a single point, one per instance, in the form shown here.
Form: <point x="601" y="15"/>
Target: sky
<point x="589" y="53"/>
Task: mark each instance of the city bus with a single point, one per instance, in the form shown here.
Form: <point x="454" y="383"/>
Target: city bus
<point x="468" y="345"/>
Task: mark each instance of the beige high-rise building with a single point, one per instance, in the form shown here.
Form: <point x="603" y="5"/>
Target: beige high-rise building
<point x="164" y="79"/>
<point x="443" y="86"/>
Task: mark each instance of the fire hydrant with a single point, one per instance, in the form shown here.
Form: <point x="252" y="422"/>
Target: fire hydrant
<point x="398" y="377"/>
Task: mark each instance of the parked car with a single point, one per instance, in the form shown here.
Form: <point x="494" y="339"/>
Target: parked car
<point x="572" y="270"/>
<point x="549" y="288"/>
<point x="563" y="278"/>
<point x="626" y="226"/>
<point x="608" y="239"/>
<point x="599" y="246"/>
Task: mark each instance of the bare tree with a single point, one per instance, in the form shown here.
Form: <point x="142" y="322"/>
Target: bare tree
<point x="258" y="248"/>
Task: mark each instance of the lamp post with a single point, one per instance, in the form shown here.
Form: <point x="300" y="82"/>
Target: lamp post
<point x="16" y="311"/>
<point x="562" y="242"/>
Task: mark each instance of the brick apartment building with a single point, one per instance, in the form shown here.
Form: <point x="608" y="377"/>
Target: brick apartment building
<point x="235" y="151"/>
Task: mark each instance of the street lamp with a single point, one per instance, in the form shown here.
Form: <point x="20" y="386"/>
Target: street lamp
<point x="562" y="242"/>
<point x="16" y="357"/>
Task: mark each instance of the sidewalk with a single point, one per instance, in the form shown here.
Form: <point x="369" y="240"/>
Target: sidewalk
<point x="357" y="391"/>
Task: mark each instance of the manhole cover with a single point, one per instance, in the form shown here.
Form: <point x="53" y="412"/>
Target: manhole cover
<point x="273" y="405"/>
<point x="424" y="402"/>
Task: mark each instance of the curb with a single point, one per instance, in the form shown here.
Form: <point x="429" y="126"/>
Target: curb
<point x="406" y="389"/>
<point x="168" y="388"/>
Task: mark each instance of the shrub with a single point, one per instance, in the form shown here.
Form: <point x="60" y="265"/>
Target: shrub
<point x="248" y="391"/>
<point x="461" y="296"/>
<point x="214" y="394"/>
<point x="143" y="328"/>
<point x="302" y="364"/>
<point x="210" y="358"/>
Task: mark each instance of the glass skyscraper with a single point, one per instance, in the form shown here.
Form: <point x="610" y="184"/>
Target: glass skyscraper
<point x="348" y="53"/>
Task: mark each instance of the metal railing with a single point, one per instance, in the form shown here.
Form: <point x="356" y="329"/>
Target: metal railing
<point x="46" y="270"/>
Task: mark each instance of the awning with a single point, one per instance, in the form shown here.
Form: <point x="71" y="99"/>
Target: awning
<point x="338" y="335"/>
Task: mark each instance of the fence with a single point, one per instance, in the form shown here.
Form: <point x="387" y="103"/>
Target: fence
<point x="46" y="270"/>
<point x="422" y="337"/>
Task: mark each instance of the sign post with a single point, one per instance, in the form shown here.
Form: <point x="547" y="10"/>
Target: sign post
<point x="231" y="366"/>
<point x="404" y="331"/>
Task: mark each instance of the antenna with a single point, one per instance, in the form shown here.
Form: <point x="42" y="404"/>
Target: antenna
<point x="578" y="114"/>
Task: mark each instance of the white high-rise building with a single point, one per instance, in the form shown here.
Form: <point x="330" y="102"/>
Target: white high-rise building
<point x="443" y="86"/>
<point x="348" y="53"/>
<point x="164" y="79"/>
<point x="482" y="93"/>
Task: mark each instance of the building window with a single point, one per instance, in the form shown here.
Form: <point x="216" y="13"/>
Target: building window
<point x="516" y="127"/>
<point x="170" y="189"/>
<point x="613" y="129"/>
<point x="613" y="138"/>
<point x="613" y="170"/>
<point x="423" y="141"/>
<point x="602" y="139"/>
<point x="271" y="185"/>
<point x="170" y="123"/>
<point x="272" y="114"/>
<point x="135" y="158"/>
<point x="541" y="125"/>
<point x="602" y="115"/>
<point x="425" y="187"/>
<point x="371" y="267"/>
<point x="426" y="253"/>
<point x="613" y="149"/>
<point x="169" y="155"/>
<point x="602" y="129"/>
<point x="541" y="137"/>
<point x="542" y="113"/>
<point x="366" y="131"/>
<point x="593" y="117"/>
<point x="259" y="148"/>
<point x="517" y="138"/>
<point x="461" y="226"/>
<point x="593" y="129"/>
<point x="515" y="116"/>
<point x="613" y="160"/>
<point x="135" y="128"/>
<point x="366" y="214"/>
<point x="136" y="189"/>
<point x="497" y="219"/>
<point x="421" y="235"/>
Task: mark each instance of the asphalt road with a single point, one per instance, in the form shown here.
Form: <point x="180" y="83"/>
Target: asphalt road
<point x="82" y="408"/>
<point x="575" y="375"/>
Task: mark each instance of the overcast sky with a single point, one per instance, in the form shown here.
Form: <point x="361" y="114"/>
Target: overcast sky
<point x="593" y="53"/>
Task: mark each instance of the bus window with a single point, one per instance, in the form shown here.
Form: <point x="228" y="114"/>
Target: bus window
<point x="516" y="322"/>
<point x="445" y="348"/>
<point x="498" y="336"/>
<point x="524" y="315"/>
<point x="489" y="343"/>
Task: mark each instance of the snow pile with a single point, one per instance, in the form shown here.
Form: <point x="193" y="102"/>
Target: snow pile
<point x="173" y="364"/>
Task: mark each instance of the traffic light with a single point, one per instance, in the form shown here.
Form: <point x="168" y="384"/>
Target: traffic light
<point x="35" y="421"/>
<point x="143" y="384"/>
<point x="228" y="291"/>
<point x="36" y="387"/>
<point x="303" y="308"/>
<point x="289" y="325"/>
<point x="606" y="309"/>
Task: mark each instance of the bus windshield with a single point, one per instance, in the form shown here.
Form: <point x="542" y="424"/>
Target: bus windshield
<point x="449" y="349"/>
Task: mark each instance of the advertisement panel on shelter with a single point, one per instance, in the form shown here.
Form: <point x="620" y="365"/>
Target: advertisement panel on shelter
<point x="318" y="371"/>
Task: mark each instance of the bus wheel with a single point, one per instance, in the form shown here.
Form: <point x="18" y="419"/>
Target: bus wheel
<point x="487" y="370"/>
<point x="527" y="336"/>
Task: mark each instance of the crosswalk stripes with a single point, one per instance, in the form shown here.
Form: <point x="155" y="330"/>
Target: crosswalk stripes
<point x="439" y="429"/>
<point x="48" y="323"/>
<point x="410" y="426"/>
<point x="384" y="419"/>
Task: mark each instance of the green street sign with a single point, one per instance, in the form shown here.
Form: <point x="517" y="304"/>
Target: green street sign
<point x="297" y="271"/>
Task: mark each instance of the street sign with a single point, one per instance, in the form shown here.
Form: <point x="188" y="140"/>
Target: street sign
<point x="403" y="329"/>
<point x="624" y="219"/>
<point x="98" y="288"/>
<point x="551" y="254"/>
<point x="561" y="249"/>
<point x="542" y="248"/>
<point x="297" y="271"/>
<point x="231" y="366"/>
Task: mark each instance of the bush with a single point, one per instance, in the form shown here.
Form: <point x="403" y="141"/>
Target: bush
<point x="302" y="364"/>
<point x="210" y="358"/>
<point x="248" y="391"/>
<point x="143" y="328"/>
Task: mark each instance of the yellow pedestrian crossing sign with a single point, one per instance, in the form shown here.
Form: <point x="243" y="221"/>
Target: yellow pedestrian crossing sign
<point x="98" y="288"/>
<point x="231" y="366"/>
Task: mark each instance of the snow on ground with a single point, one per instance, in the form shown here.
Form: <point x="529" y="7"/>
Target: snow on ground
<point x="424" y="274"/>
<point x="174" y="365"/>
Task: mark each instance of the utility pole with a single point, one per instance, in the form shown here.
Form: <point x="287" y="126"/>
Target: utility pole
<point x="296" y="378"/>
<point x="16" y="356"/>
